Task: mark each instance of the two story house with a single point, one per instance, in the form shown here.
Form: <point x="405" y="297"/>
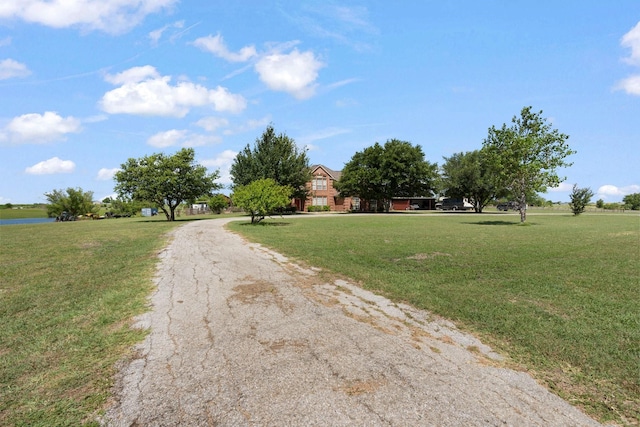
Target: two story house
<point x="322" y="192"/>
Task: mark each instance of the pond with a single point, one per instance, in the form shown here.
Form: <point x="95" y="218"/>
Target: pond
<point x="25" y="221"/>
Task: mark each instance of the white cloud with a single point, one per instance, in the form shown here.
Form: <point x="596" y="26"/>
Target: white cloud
<point x="10" y="68"/>
<point x="51" y="166"/>
<point x="563" y="187"/>
<point x="133" y="75"/>
<point x="145" y="92"/>
<point x="216" y="46"/>
<point x="609" y="190"/>
<point x="222" y="162"/>
<point x="631" y="85"/>
<point x="294" y="72"/>
<point x="39" y="128"/>
<point x="632" y="41"/>
<point x="156" y="35"/>
<point x="106" y="174"/>
<point x="167" y="139"/>
<point x="181" y="138"/>
<point x="110" y="16"/>
<point x="211" y="124"/>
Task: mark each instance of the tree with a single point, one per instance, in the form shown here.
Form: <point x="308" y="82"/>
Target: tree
<point x="276" y="157"/>
<point x="73" y="201"/>
<point x="397" y="169"/>
<point x="165" y="181"/>
<point x="217" y="203"/>
<point x="260" y="198"/>
<point x="526" y="155"/>
<point x="469" y="175"/>
<point x="632" y="201"/>
<point x="580" y="198"/>
<point x="600" y="204"/>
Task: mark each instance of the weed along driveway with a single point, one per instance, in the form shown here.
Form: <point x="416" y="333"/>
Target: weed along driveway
<point x="240" y="336"/>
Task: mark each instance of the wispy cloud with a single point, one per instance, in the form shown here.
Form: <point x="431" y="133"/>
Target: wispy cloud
<point x="631" y="40"/>
<point x="10" y="68"/>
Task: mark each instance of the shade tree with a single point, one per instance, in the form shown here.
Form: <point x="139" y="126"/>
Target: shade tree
<point x="165" y="180"/>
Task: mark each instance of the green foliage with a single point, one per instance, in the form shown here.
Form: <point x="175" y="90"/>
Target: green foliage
<point x="318" y="208"/>
<point x="526" y="155"/>
<point x="600" y="204"/>
<point x="469" y="175"/>
<point x="580" y="198"/>
<point x="68" y="297"/>
<point x="166" y="181"/>
<point x="632" y="201"/>
<point x="397" y="169"/>
<point x="261" y="197"/>
<point x="274" y="156"/>
<point x="125" y="207"/>
<point x="217" y="203"/>
<point x="74" y="201"/>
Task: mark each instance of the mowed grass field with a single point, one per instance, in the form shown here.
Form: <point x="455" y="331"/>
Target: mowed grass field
<point x="67" y="294"/>
<point x="560" y="296"/>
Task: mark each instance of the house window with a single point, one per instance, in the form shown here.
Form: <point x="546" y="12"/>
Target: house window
<point x="319" y="201"/>
<point x="319" y="183"/>
<point x="355" y="202"/>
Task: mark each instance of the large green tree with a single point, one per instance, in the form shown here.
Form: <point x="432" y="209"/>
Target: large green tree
<point x="632" y="201"/>
<point x="165" y="180"/>
<point x="274" y="156"/>
<point x="261" y="197"/>
<point x="469" y="175"/>
<point x="526" y="155"/>
<point x="74" y="201"/>
<point x="397" y="169"/>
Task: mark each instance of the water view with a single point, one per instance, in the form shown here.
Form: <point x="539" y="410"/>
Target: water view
<point x="25" y="221"/>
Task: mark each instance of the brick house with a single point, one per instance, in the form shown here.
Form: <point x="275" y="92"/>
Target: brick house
<point x="322" y="193"/>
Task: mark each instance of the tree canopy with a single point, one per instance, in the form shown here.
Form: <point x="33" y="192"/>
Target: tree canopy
<point x="261" y="197"/>
<point x="74" y="201"/>
<point x="526" y="156"/>
<point x="165" y="181"/>
<point x="469" y="175"/>
<point x="397" y="169"/>
<point x="274" y="156"/>
<point x="632" y="201"/>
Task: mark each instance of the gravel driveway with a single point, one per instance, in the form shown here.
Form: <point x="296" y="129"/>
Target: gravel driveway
<point x="240" y="336"/>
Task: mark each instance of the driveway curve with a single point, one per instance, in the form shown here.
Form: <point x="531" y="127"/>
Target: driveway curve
<point x="241" y="336"/>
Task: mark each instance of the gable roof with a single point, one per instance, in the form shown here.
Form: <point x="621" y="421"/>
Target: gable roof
<point x="335" y="175"/>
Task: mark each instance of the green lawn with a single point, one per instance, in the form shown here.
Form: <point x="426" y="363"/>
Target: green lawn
<point x="67" y="293"/>
<point x="560" y="295"/>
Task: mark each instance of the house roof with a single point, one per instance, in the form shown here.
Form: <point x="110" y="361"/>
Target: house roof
<point x="335" y="175"/>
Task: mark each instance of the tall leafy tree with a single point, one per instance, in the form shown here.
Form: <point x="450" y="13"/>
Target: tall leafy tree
<point x="397" y="169"/>
<point x="469" y="175"/>
<point x="74" y="201"/>
<point x="274" y="156"/>
<point x="165" y="180"/>
<point x="632" y="201"/>
<point x="525" y="156"/>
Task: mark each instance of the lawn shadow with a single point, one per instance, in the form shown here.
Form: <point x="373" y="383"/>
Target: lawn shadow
<point x="266" y="224"/>
<point x="494" y="222"/>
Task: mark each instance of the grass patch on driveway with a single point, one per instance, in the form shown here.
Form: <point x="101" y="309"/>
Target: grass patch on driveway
<point x="560" y="295"/>
<point x="67" y="294"/>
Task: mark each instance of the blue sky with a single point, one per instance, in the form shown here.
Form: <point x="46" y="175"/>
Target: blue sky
<point x="87" y="84"/>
